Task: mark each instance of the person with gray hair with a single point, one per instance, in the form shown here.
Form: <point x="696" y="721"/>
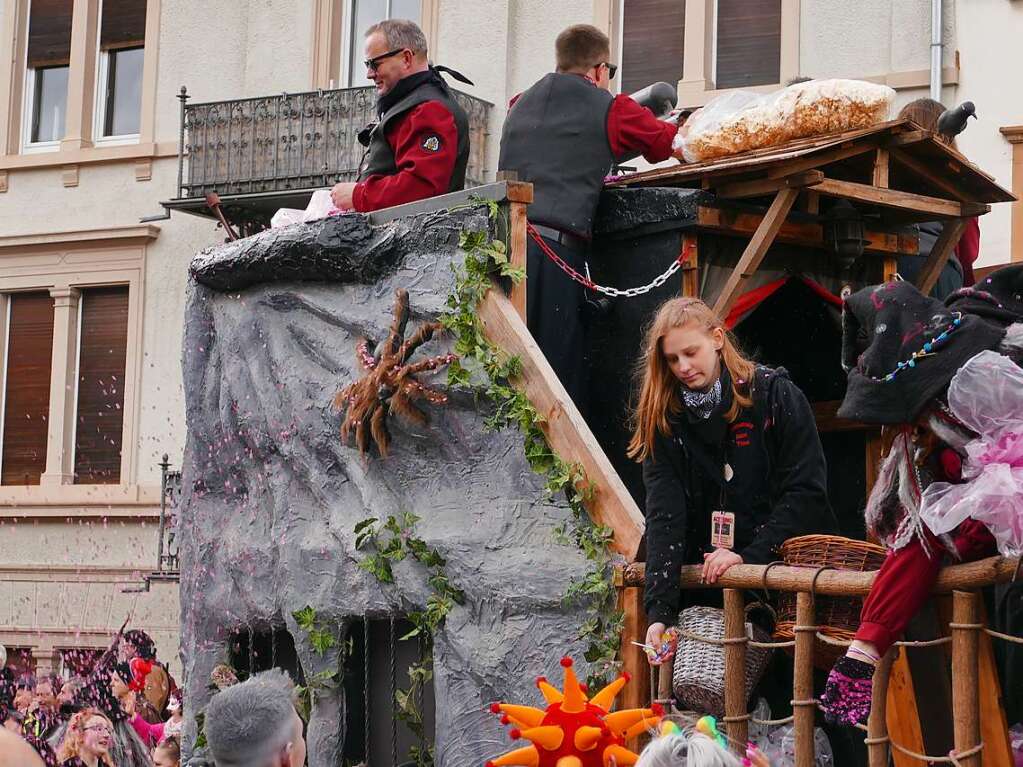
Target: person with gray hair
<point x="255" y="724"/>
<point x="419" y="146"/>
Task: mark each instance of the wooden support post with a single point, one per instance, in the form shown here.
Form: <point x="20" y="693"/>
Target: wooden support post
<point x="517" y="246"/>
<point x="813" y="202"/>
<point x="965" y="702"/>
<point x="637" y="692"/>
<point x="691" y="266"/>
<point x="890" y="267"/>
<point x="881" y="168"/>
<point x="803" y="703"/>
<point x="634" y="662"/>
<point x="750" y="260"/>
<point x="877" y="726"/>
<point x="736" y="719"/>
<point x="665" y="681"/>
<point x="951" y="231"/>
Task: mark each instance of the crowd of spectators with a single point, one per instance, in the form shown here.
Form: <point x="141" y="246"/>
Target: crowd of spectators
<point x="122" y="709"/>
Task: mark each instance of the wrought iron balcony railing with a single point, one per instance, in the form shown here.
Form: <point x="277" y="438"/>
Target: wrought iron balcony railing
<point x="289" y="142"/>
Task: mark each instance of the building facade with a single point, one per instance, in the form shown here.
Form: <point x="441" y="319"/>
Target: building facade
<point x="91" y="297"/>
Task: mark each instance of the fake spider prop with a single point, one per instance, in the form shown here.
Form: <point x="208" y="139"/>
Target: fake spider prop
<point x="389" y="384"/>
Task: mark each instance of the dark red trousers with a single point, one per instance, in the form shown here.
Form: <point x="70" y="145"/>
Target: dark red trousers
<point x="906" y="578"/>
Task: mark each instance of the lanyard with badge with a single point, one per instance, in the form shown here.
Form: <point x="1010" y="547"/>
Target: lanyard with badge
<point x="722" y="521"/>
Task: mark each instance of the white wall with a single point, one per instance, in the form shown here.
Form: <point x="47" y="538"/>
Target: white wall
<point x="990" y="46"/>
<point x="869" y="37"/>
<point x="504" y="46"/>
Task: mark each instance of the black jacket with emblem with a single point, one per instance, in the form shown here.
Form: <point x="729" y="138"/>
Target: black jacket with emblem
<point x="414" y="90"/>
<point x="778" y="488"/>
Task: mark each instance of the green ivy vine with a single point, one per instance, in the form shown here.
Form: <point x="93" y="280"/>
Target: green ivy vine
<point x="394" y="539"/>
<point x="485" y="257"/>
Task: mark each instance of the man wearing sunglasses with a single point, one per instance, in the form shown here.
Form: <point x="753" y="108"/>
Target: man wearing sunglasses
<point x="419" y="146"/>
<point x="563" y="134"/>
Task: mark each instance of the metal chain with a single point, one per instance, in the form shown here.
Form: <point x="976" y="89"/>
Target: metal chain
<point x="608" y="291"/>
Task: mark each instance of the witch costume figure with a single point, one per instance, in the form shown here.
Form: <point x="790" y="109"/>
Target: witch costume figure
<point x="913" y="365"/>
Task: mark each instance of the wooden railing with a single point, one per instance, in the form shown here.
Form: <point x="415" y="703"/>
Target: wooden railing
<point x="962" y="581"/>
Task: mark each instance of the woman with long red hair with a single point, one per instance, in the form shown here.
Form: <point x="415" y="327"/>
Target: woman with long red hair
<point x="732" y="462"/>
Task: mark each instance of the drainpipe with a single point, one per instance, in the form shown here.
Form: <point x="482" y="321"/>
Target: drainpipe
<point x="936" y="50"/>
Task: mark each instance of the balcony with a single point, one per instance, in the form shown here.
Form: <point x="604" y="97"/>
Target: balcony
<point x="260" y="154"/>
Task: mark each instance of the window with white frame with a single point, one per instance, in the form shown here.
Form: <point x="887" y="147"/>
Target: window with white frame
<point x="100" y="341"/>
<point x="48" y="60"/>
<point x="122" y="36"/>
<point x="360" y="15"/>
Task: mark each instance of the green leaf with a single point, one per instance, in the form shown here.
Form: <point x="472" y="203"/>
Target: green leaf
<point x="305" y="618"/>
<point x="322" y="641"/>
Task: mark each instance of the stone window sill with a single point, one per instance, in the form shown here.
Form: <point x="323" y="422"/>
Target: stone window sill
<point x="88" y="155"/>
<point x="57" y="502"/>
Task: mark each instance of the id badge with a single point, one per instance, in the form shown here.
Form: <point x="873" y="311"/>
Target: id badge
<point x="722" y="530"/>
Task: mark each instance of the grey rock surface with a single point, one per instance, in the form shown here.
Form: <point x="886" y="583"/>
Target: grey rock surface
<point x="271" y="496"/>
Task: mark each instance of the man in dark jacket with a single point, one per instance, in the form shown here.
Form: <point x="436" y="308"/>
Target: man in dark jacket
<point x="419" y="147"/>
<point x="563" y="135"/>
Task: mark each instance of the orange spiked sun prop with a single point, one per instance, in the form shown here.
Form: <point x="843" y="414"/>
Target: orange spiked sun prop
<point x="574" y="731"/>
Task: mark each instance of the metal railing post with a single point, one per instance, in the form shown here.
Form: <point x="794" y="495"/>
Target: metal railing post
<point x="183" y="98"/>
<point x="164" y="466"/>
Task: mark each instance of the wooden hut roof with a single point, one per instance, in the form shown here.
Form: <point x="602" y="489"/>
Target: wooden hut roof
<point x="896" y="166"/>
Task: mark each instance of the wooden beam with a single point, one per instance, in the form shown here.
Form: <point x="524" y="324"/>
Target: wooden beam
<point x="610" y="503"/>
<point x="880" y="176"/>
<point x="927" y="171"/>
<point x="909" y="137"/>
<point x="951" y="231"/>
<point x="517" y="246"/>
<point x="820" y="159"/>
<point x="763" y="186"/>
<point x="803" y="703"/>
<point x="737" y="223"/>
<point x="902" y="715"/>
<point x="965" y="702"/>
<point x="994" y="728"/>
<point x="899" y="200"/>
<point x="637" y="693"/>
<point x="735" y="720"/>
<point x="824" y="413"/>
<point x="691" y="266"/>
<point x="750" y="260"/>
<point x="877" y="726"/>
<point x="970" y="575"/>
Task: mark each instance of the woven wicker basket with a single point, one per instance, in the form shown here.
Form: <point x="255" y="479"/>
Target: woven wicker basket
<point x="699" y="674"/>
<point x="837" y="617"/>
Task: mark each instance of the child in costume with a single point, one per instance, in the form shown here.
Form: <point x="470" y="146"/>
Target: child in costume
<point x="902" y="351"/>
<point x="732" y="462"/>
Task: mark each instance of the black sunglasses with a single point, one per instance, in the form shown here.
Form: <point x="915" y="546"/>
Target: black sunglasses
<point x="373" y="63"/>
<point x="612" y="69"/>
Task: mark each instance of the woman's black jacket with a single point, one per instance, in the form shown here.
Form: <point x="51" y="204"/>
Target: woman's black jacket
<point x="778" y="488"/>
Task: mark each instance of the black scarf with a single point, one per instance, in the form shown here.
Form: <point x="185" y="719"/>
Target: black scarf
<point x="408" y="84"/>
